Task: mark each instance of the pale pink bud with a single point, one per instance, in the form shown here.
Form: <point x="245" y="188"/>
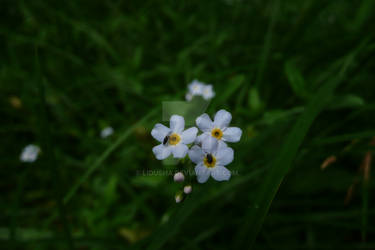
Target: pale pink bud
<point x="188" y="189"/>
<point x="179" y="177"/>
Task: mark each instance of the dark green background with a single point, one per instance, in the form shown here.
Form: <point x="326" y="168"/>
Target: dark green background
<point x="297" y="76"/>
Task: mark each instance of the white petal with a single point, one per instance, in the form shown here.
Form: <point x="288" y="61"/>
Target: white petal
<point x="159" y="132"/>
<point x="232" y="134"/>
<point x="196" y="154"/>
<point x="180" y="150"/>
<point x="210" y="145"/>
<point x="222" y="119"/>
<point x="189" y="135"/>
<point x="202" y="173"/>
<point x="202" y="137"/>
<point x="177" y="124"/>
<point x="204" y="123"/>
<point x="224" y="155"/>
<point x="220" y="173"/>
<point x="161" y="152"/>
<point x="222" y="143"/>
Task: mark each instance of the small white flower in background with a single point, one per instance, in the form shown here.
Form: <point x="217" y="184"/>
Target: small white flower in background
<point x="188" y="189"/>
<point x="211" y="159"/>
<point x="218" y="129"/>
<point x="30" y="153"/>
<point x="106" y="132"/>
<point x="174" y="139"/>
<point x="208" y="92"/>
<point x="179" y="177"/>
<point x="197" y="88"/>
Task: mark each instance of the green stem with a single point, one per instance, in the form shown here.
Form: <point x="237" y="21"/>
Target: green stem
<point x="50" y="159"/>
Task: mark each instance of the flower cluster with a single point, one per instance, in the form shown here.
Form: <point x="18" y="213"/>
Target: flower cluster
<point x="197" y="88"/>
<point x="208" y="151"/>
<point x="211" y="153"/>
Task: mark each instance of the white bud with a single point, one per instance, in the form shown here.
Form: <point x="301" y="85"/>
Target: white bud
<point x="188" y="189"/>
<point x="178" y="198"/>
<point x="179" y="177"/>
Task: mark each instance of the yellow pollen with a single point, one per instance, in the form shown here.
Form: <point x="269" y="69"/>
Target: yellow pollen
<point x="209" y="161"/>
<point x="217" y="133"/>
<point x="174" y="139"/>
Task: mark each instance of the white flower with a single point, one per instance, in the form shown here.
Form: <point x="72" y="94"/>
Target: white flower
<point x="108" y="131"/>
<point x="30" y="153"/>
<point x="174" y="139"/>
<point x="197" y="88"/>
<point x="211" y="159"/>
<point x="208" y="92"/>
<point x="219" y="128"/>
<point x="179" y="177"/>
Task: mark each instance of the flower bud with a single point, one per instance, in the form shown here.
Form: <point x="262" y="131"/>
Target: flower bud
<point x="179" y="197"/>
<point x="179" y="177"/>
<point x="188" y="189"/>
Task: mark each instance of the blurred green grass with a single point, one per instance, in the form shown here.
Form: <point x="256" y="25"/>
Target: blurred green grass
<point x="272" y="64"/>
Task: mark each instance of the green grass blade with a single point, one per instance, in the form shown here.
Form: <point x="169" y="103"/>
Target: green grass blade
<point x="48" y="148"/>
<point x="296" y="79"/>
<point x="344" y="138"/>
<point x="106" y="154"/>
<point x="280" y="167"/>
<point x="232" y="88"/>
<point x="365" y="210"/>
<point x="267" y="44"/>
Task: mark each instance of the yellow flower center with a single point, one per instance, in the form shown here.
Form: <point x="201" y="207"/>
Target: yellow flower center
<point x="217" y="133"/>
<point x="209" y="161"/>
<point x="174" y="139"/>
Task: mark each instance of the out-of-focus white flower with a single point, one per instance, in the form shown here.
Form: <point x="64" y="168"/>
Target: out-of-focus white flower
<point x="197" y="88"/>
<point x="30" y="153"/>
<point x="188" y="189"/>
<point x="106" y="132"/>
<point x="179" y="177"/>
<point x="174" y="139"/>
<point x="211" y="159"/>
<point x="218" y="129"/>
<point x="208" y="92"/>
